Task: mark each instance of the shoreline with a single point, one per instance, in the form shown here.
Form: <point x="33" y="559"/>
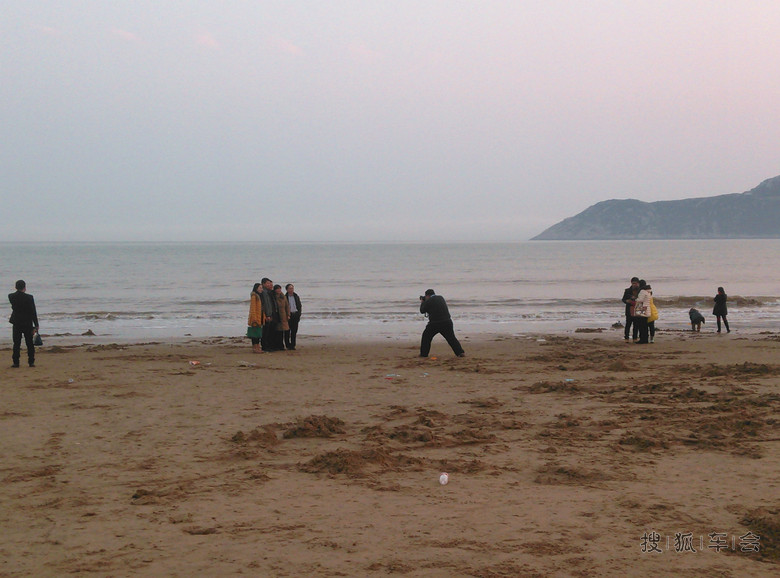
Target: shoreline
<point x="563" y="451"/>
<point x="353" y="335"/>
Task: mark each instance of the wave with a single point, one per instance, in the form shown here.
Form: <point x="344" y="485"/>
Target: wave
<point x="323" y="308"/>
<point x="734" y="301"/>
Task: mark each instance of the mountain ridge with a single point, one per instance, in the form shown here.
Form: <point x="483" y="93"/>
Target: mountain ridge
<point x="754" y="214"/>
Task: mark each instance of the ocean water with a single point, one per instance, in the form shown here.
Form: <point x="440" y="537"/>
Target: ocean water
<point x="152" y="291"/>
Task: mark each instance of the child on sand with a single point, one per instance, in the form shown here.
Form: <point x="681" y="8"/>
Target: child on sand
<point x="696" y="319"/>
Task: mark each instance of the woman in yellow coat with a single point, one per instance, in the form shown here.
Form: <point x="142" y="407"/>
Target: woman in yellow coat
<point x="256" y="319"/>
<point x="653" y="315"/>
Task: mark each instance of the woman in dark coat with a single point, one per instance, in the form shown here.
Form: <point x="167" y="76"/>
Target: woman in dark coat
<point x="283" y="323"/>
<point x="720" y="309"/>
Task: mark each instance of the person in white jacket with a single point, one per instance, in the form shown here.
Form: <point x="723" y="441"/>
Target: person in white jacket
<point x="642" y="311"/>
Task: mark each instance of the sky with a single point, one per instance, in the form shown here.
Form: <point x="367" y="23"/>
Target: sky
<point x="368" y="120"/>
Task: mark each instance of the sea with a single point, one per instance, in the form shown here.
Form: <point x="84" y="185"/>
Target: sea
<point x="160" y="291"/>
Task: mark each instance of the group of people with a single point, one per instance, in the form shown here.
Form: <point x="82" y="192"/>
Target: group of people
<point x="641" y="312"/>
<point x="273" y="317"/>
<point x="720" y="311"/>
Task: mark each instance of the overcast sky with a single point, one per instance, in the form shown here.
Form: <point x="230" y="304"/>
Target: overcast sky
<point x="374" y="120"/>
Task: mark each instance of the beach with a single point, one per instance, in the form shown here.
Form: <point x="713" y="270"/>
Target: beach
<point x="569" y="454"/>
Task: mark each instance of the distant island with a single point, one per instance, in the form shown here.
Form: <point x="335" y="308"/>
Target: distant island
<point x="754" y="214"/>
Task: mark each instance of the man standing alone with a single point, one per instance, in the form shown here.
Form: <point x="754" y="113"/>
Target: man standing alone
<point x="439" y="321"/>
<point x="24" y="319"/>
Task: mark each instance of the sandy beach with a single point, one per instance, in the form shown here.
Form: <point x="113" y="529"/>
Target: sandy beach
<point x="567" y="455"/>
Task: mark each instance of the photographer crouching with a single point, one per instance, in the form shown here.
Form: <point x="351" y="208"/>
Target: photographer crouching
<point x="439" y="321"/>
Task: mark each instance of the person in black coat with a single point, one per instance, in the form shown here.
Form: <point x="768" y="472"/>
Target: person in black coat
<point x="24" y="319"/>
<point x="629" y="298"/>
<point x="720" y="309"/>
<point x="295" y="316"/>
<point x="696" y="319"/>
<point x="439" y="321"/>
<point x="270" y="340"/>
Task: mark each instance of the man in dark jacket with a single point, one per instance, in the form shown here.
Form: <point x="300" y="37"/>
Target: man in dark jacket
<point x="295" y="316"/>
<point x="269" y="339"/>
<point x="629" y="298"/>
<point x="24" y="319"/>
<point x="439" y="321"/>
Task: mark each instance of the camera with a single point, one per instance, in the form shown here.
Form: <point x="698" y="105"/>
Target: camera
<point x="422" y="297"/>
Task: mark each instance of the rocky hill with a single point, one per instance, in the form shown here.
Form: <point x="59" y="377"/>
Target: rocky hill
<point x="753" y="214"/>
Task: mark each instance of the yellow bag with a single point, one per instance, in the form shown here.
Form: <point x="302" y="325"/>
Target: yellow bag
<point x="653" y="311"/>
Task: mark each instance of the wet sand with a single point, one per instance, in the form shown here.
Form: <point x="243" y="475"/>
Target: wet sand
<point x="563" y="453"/>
